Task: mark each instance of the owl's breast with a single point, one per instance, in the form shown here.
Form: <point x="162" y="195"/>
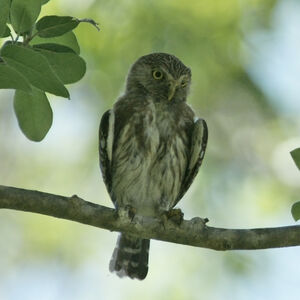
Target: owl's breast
<point x="157" y="124"/>
<point x="149" y="161"/>
<point x="146" y="130"/>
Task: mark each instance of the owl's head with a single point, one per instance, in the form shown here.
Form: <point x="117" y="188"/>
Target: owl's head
<point x="160" y="75"/>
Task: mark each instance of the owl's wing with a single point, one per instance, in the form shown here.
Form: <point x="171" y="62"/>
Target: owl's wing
<point x="106" y="134"/>
<point x="198" y="146"/>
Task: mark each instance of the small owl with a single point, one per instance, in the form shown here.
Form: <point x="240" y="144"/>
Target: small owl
<point x="151" y="146"/>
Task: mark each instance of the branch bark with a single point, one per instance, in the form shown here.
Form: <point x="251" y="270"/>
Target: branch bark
<point x="192" y="232"/>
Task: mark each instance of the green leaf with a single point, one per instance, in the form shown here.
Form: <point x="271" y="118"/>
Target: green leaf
<point x="296" y="157"/>
<point x="296" y="211"/>
<point x="6" y="32"/>
<point x="4" y="14"/>
<point x="35" y="67"/>
<point x="68" y="39"/>
<point x="51" y="26"/>
<point x="53" y="47"/>
<point x="44" y="1"/>
<point x="34" y="113"/>
<point x="11" y="79"/>
<point x="67" y="65"/>
<point x="23" y="14"/>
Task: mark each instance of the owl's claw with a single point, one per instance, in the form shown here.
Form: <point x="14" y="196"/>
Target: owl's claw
<point x="131" y="212"/>
<point x="126" y="212"/>
<point x="175" y="215"/>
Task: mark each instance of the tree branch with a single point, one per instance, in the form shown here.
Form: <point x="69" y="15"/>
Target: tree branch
<point x="193" y="232"/>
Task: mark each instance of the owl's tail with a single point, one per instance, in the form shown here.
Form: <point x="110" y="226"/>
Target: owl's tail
<point x="130" y="257"/>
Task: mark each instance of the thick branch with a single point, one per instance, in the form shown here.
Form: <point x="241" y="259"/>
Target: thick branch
<point x="193" y="232"/>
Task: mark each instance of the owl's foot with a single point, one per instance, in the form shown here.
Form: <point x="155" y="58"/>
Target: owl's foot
<point x="128" y="212"/>
<point x="175" y="215"/>
<point x="131" y="212"/>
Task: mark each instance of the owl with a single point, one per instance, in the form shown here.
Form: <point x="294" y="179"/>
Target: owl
<point x="151" y="146"/>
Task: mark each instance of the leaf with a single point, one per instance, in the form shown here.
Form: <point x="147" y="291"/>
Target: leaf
<point x="296" y="211"/>
<point x="53" y="47"/>
<point x="4" y="14"/>
<point x="34" y="113"/>
<point x="12" y="79"/>
<point x="23" y="14"/>
<point x="35" y="68"/>
<point x="44" y="1"/>
<point x="68" y="39"/>
<point x="67" y="65"/>
<point x="296" y="157"/>
<point x="51" y="26"/>
<point x="6" y="32"/>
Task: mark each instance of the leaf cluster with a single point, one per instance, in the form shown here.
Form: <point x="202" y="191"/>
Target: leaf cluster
<point x="296" y="206"/>
<point x="39" y="57"/>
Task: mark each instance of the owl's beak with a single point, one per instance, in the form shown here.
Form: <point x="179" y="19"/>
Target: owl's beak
<point x="172" y="89"/>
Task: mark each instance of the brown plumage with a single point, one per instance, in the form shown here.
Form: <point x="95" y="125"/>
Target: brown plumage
<point x="151" y="147"/>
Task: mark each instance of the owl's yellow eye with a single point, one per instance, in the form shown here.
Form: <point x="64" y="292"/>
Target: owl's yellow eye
<point x="157" y="75"/>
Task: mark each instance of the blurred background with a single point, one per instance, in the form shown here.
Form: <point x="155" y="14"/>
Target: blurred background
<point x="245" y="60"/>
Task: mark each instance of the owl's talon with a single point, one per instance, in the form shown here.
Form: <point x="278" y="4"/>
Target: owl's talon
<point x="126" y="212"/>
<point x="175" y="215"/>
<point x="131" y="212"/>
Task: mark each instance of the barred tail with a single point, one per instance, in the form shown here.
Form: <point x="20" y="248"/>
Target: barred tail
<point x="130" y="257"/>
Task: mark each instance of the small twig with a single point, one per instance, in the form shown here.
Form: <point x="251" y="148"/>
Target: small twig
<point x="91" y="21"/>
<point x="30" y="38"/>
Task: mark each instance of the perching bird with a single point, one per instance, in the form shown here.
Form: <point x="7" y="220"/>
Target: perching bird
<point x="151" y="146"/>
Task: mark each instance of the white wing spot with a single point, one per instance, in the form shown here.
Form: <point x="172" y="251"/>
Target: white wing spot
<point x="102" y="143"/>
<point x="202" y="154"/>
<point x="110" y="137"/>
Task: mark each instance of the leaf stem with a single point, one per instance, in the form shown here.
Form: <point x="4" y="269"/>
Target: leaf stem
<point x="30" y="38"/>
<point x="91" y="21"/>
